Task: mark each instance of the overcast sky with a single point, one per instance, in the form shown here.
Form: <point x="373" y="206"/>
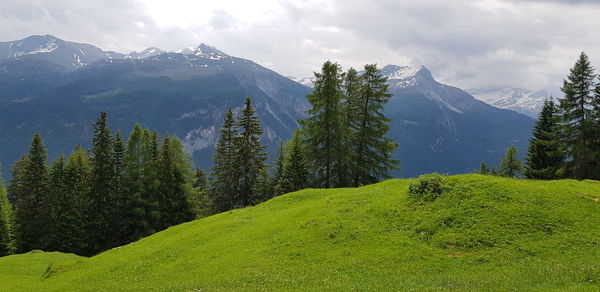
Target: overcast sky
<point x="469" y="43"/>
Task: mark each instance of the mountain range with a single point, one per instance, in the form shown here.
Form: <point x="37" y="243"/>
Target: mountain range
<point x="58" y="88"/>
<point x="521" y="100"/>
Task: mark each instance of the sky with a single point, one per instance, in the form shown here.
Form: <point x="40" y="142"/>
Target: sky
<point x="467" y="43"/>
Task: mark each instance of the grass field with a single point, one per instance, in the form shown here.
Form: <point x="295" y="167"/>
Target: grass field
<point x="485" y="233"/>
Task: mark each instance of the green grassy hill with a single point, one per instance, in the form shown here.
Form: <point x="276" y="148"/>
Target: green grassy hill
<point x="487" y="233"/>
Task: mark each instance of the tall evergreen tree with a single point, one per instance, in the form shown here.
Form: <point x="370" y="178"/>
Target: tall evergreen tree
<point x="176" y="184"/>
<point x="119" y="164"/>
<point x="545" y="158"/>
<point x="352" y="87"/>
<point x="372" y="151"/>
<point x="510" y="166"/>
<point x="225" y="178"/>
<point x="7" y="239"/>
<point x="278" y="171"/>
<point x="137" y="222"/>
<point x="200" y="181"/>
<point x="327" y="152"/>
<point x="295" y="175"/>
<point x="250" y="155"/>
<point x="577" y="112"/>
<point x="54" y="202"/>
<point x="69" y="189"/>
<point x="103" y="222"/>
<point x="29" y="191"/>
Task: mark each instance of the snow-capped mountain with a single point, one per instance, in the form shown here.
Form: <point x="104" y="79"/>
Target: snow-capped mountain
<point x="521" y="100"/>
<point x="149" y="52"/>
<point x="306" y="81"/>
<point x="47" y="48"/>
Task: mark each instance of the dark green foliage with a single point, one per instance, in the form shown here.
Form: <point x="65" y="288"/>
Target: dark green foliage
<point x="483" y="169"/>
<point x="265" y="189"/>
<point x="29" y="188"/>
<point x="224" y="171"/>
<point x="201" y="198"/>
<point x="7" y="239"/>
<point x="510" y="166"/>
<point x="327" y="151"/>
<point x="103" y="220"/>
<point x="119" y="164"/>
<point x="200" y="180"/>
<point x="69" y="188"/>
<point x="137" y="207"/>
<point x="295" y="175"/>
<point x="577" y="112"/>
<point x="371" y="150"/>
<point x="279" y="167"/>
<point x="427" y="187"/>
<point x="176" y="180"/>
<point x="545" y="158"/>
<point x="250" y="155"/>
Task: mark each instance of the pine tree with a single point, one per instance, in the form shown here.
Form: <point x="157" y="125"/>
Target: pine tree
<point x="176" y="183"/>
<point x="510" y="166"/>
<point x="295" y="175"/>
<point x="327" y="152"/>
<point x="483" y="169"/>
<point x="29" y="188"/>
<point x="137" y="223"/>
<point x="54" y="203"/>
<point x="119" y="164"/>
<point x="200" y="179"/>
<point x="352" y="88"/>
<point x="372" y="151"/>
<point x="68" y="191"/>
<point x="223" y="191"/>
<point x="545" y="159"/>
<point x="250" y="155"/>
<point x="151" y="180"/>
<point x="103" y="222"/>
<point x="203" y="203"/>
<point x="578" y="127"/>
<point x="7" y="239"/>
<point x="264" y="189"/>
<point x="278" y="171"/>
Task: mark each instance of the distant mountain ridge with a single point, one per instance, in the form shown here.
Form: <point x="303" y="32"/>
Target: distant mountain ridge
<point x="521" y="100"/>
<point x="438" y="127"/>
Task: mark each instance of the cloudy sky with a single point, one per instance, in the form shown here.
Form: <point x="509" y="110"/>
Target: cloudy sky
<point x="468" y="43"/>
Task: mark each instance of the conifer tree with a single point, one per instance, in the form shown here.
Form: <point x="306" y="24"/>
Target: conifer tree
<point x="327" y="152"/>
<point x="30" y="190"/>
<point x="103" y="222"/>
<point x="250" y="155"/>
<point x="264" y="189"/>
<point x="151" y="181"/>
<point x="545" y="158"/>
<point x="352" y="87"/>
<point x="510" y="166"/>
<point x="577" y="112"/>
<point x="119" y="164"/>
<point x="176" y="185"/>
<point x="225" y="178"/>
<point x="278" y="171"/>
<point x="203" y="203"/>
<point x="483" y="169"/>
<point x="54" y="201"/>
<point x="372" y="151"/>
<point x="200" y="181"/>
<point x="69" y="188"/>
<point x="7" y="239"/>
<point x="295" y="175"/>
<point x="137" y="223"/>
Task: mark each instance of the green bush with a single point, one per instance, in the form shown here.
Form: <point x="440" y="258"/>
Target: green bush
<point x="428" y="187"/>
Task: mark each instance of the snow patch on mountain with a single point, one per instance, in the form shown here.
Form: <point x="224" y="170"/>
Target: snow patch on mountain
<point x="521" y="100"/>
<point x="306" y="81"/>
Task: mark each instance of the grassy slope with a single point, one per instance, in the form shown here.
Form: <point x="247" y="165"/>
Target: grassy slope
<point x="487" y="234"/>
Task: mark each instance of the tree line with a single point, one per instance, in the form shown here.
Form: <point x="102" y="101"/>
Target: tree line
<point x="565" y="141"/>
<point x="120" y="191"/>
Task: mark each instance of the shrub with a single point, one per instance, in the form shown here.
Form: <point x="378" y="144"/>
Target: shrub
<point x="428" y="187"/>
